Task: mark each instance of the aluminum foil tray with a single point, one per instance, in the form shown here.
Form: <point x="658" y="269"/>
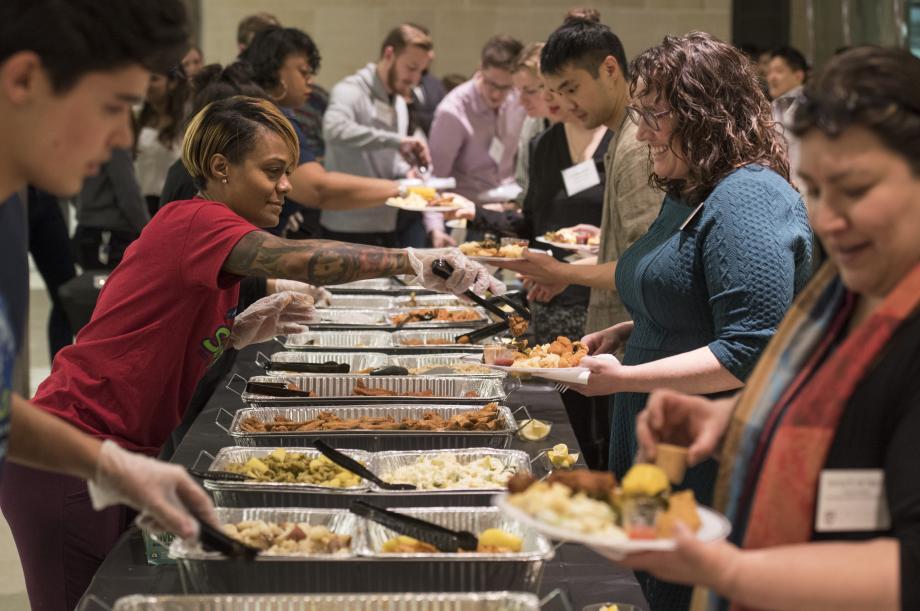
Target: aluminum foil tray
<point x="207" y="572"/>
<point x="350" y="318"/>
<point x="469" y="572"/>
<point x="426" y="301"/>
<point x="373" y="440"/>
<point x="432" y="601"/>
<point x="255" y="494"/>
<point x="338" y="340"/>
<point x="358" y="361"/>
<point x="411" y="361"/>
<point x="385" y="286"/>
<point x="443" y="324"/>
<point x="241" y="454"/>
<point x="365" y="302"/>
<point x="339" y="388"/>
<point x="399" y="339"/>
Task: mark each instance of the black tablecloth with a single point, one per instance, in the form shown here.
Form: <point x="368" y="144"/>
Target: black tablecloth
<point x="586" y="577"/>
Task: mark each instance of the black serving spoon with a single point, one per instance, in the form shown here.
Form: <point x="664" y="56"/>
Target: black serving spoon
<point x="444" y="539"/>
<point x="216" y="540"/>
<point x="350" y="464"/>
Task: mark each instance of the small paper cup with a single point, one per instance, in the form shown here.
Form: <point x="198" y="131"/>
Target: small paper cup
<point x="673" y="461"/>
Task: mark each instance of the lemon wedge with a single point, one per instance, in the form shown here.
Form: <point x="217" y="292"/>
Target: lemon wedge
<point x="535" y="430"/>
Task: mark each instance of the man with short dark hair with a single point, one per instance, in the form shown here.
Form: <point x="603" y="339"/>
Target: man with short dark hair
<point x="69" y="74"/>
<point x="366" y="131"/>
<point x="474" y="135"/>
<point x="786" y="75"/>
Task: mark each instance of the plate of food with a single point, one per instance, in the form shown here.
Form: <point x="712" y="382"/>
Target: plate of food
<point x="569" y="239"/>
<point x="495" y="251"/>
<point x="558" y="360"/>
<point x="426" y="199"/>
<point x="638" y="514"/>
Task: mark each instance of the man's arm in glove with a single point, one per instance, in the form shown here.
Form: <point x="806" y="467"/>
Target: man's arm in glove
<point x="164" y="494"/>
<point x="324" y="262"/>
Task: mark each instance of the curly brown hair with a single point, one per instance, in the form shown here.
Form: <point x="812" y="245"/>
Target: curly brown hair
<point x="722" y="118"/>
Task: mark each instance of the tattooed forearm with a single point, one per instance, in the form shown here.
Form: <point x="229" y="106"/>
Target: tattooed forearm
<point x="314" y="261"/>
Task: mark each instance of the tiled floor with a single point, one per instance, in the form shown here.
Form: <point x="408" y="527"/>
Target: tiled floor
<point x="12" y="586"/>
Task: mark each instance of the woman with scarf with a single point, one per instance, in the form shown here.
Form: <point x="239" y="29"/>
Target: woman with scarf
<point x="834" y="404"/>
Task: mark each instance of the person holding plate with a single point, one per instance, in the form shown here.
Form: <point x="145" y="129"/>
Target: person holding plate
<point x="819" y="472"/>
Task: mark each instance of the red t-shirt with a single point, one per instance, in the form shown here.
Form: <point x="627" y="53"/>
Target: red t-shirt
<point x="162" y="318"/>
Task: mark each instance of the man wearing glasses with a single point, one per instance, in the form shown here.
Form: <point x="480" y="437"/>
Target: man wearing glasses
<point x="474" y="135"/>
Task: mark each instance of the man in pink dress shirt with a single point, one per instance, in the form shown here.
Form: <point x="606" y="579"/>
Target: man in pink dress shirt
<point x="474" y="135"/>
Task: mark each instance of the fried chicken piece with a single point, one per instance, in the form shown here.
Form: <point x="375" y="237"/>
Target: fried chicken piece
<point x="596" y="484"/>
<point x="517" y="325"/>
<point x="252" y="425"/>
<point x="520" y="482"/>
<point x="364" y="391"/>
<point x="470" y="394"/>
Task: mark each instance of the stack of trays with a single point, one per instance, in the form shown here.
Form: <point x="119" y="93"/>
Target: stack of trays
<point x="274" y="494"/>
<point x="365" y="568"/>
<point x="372" y="440"/>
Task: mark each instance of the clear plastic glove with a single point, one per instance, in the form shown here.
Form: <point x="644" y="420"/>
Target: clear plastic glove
<point x="164" y="494"/>
<point x="321" y="297"/>
<point x="467" y="273"/>
<point x="279" y="314"/>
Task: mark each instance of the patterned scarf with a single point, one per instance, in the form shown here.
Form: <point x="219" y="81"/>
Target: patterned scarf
<point x="786" y="418"/>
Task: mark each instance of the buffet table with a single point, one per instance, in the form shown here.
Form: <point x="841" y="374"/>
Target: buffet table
<point x="585" y="576"/>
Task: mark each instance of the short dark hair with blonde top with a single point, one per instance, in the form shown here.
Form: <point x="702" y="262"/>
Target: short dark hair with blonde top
<point x="231" y="127"/>
<point x="252" y="25"/>
<point x="528" y="59"/>
<point x="407" y="35"/>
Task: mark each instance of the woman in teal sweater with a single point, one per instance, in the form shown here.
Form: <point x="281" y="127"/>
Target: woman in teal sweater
<point x="719" y="267"/>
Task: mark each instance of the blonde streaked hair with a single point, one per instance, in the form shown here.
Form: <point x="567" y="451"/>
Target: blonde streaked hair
<point x="528" y="59"/>
<point x="231" y="127"/>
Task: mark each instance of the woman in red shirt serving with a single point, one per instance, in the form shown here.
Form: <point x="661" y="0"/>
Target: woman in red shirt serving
<point x="168" y="311"/>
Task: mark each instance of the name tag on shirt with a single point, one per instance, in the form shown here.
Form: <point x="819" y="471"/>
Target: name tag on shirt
<point x="580" y="177"/>
<point x="384" y="112"/>
<point x="497" y="151"/>
<point x="852" y="500"/>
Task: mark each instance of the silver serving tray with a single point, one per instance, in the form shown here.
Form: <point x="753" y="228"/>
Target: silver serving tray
<point x="429" y="601"/>
<point x="343" y="318"/>
<point x="463" y="571"/>
<point x="386" y="286"/>
<point x="339" y="388"/>
<point x="427" y="301"/>
<point x="338" y="340"/>
<point x="372" y="440"/>
<point x="356" y="360"/>
<point x="339" y="317"/>
<point x="366" y="302"/>
<point x="208" y="572"/>
<point x="264" y="494"/>
<point x="411" y="361"/>
<point x="398" y="338"/>
<point x="439" y="324"/>
<point x="241" y="454"/>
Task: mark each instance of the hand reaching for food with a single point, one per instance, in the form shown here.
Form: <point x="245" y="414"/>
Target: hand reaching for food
<point x="321" y="297"/>
<point x="467" y="273"/>
<point x="609" y="340"/>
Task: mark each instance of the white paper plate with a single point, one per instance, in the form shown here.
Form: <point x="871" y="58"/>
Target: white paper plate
<point x="714" y="527"/>
<point x="588" y="248"/>
<point x="482" y="259"/>
<point x="425" y="209"/>
<point x="456" y="224"/>
<point x="569" y="375"/>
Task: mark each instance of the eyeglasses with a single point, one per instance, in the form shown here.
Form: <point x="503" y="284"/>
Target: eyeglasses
<point x="649" y="117"/>
<point x="495" y="86"/>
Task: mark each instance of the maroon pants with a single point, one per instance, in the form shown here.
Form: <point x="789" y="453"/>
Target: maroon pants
<point x="60" y="539"/>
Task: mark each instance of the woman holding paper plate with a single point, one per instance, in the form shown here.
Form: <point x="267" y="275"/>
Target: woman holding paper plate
<point x="714" y="275"/>
<point x="818" y="455"/>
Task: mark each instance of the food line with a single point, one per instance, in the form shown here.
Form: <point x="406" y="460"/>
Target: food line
<point x="594" y="581"/>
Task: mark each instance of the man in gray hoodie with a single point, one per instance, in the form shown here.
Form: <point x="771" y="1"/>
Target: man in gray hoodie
<point x="366" y="131"/>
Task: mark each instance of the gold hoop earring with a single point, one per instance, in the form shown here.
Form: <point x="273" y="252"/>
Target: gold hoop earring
<point x="283" y="93"/>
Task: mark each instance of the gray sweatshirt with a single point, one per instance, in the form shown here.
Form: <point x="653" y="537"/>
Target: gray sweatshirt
<point x="363" y="127"/>
<point x="112" y="200"/>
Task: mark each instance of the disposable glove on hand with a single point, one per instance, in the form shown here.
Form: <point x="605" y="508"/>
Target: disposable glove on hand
<point x="467" y="273"/>
<point x="321" y="297"/>
<point x="280" y="314"/>
<point x="164" y="494"/>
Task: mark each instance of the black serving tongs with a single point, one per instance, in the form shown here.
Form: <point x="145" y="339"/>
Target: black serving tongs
<point x="445" y="539"/>
<point x="216" y="540"/>
<point x="443" y="269"/>
<point x="274" y="389"/>
<point x="476" y="336"/>
<point x="350" y="464"/>
<point x="217" y="476"/>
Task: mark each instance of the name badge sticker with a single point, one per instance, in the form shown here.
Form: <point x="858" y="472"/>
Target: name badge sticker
<point x="496" y="150"/>
<point x="852" y="500"/>
<point x="580" y="177"/>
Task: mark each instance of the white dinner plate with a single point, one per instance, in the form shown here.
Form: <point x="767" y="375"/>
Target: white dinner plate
<point x="588" y="248"/>
<point x="714" y="527"/>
